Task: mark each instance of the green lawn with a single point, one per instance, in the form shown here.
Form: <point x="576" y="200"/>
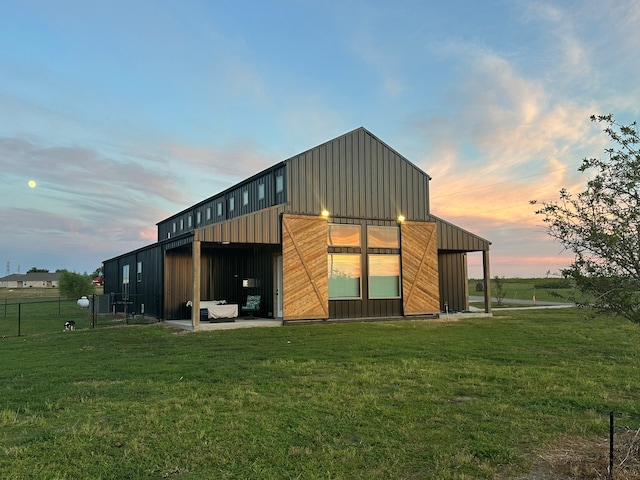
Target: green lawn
<point x="404" y="399"/>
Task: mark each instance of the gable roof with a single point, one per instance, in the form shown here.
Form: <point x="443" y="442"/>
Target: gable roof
<point x="32" y="277"/>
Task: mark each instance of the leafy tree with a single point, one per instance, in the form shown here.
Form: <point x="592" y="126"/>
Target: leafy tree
<point x="498" y="282"/>
<point x="601" y="225"/>
<point x="38" y="270"/>
<point x="75" y="285"/>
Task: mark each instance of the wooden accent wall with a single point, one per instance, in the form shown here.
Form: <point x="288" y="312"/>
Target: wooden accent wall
<point x="178" y="282"/>
<point x="305" y="281"/>
<point x="420" y="284"/>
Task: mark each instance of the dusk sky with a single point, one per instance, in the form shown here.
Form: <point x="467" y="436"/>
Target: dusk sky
<point x="124" y="113"/>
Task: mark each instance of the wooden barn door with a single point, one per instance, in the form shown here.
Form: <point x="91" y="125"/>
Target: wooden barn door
<point x="305" y="282"/>
<point x="420" y="285"/>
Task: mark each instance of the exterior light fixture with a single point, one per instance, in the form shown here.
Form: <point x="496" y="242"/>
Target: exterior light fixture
<point x="401" y="218"/>
<point x="325" y="213"/>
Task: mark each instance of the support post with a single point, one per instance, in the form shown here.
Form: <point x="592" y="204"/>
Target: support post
<point x="195" y="309"/>
<point x="487" y="281"/>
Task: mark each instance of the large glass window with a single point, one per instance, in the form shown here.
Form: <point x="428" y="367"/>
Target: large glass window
<point x="344" y="275"/>
<point x="341" y="235"/>
<point x="383" y="237"/>
<point x="384" y="276"/>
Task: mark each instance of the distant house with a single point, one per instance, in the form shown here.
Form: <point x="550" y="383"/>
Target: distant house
<point x="31" y="280"/>
<point x="343" y="230"/>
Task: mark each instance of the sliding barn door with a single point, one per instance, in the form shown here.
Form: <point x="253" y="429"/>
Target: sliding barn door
<point x="305" y="281"/>
<point x="420" y="285"/>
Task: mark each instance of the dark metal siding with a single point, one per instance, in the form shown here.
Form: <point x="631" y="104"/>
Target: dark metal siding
<point x="454" y="288"/>
<point x="357" y="176"/>
<point x="224" y="268"/>
<point x="252" y="186"/>
<point x="453" y="238"/>
<point x="145" y="292"/>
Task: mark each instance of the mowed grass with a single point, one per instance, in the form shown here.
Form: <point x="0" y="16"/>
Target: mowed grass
<point x="471" y="399"/>
<point x="543" y="289"/>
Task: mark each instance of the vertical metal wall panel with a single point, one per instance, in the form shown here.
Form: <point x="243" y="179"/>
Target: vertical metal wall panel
<point x="364" y="179"/>
<point x="258" y="227"/>
<point x="454" y="290"/>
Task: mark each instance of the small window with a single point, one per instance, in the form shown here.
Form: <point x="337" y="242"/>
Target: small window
<point x="344" y="276"/>
<point x="182" y="224"/>
<point x="208" y="213"/>
<point x="341" y="235"/>
<point x="245" y="198"/>
<point x="232" y="204"/>
<point x="384" y="276"/>
<point x="174" y="227"/>
<point x="219" y="209"/>
<point x="383" y="237"/>
<point x="198" y="218"/>
<point x="261" y="192"/>
<point x="125" y="282"/>
<point x="139" y="272"/>
<point x="279" y="184"/>
<point x="190" y="221"/>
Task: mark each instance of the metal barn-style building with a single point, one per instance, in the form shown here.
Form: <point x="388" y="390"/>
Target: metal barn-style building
<point x="341" y="231"/>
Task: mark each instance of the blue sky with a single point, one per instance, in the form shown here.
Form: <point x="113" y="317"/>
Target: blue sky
<point x="124" y="113"/>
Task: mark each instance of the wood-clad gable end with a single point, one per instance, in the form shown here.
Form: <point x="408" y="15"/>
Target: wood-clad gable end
<point x="259" y="227"/>
<point x="420" y="283"/>
<point x="305" y="281"/>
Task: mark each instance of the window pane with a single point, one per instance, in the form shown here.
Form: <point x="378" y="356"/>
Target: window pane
<point x="261" y="191"/>
<point x="279" y="183"/>
<point x="383" y="237"/>
<point x="344" y="235"/>
<point x="232" y="204"/>
<point x="344" y="276"/>
<point x="384" y="276"/>
<point x="245" y="198"/>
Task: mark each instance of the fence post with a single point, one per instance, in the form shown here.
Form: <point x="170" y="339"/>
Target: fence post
<point x="611" y="418"/>
<point x="19" y="316"/>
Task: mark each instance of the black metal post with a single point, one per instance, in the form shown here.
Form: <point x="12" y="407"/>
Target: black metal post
<point x="19" y="316"/>
<point x="611" y="417"/>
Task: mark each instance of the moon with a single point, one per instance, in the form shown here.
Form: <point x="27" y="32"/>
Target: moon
<point x="32" y="183"/>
